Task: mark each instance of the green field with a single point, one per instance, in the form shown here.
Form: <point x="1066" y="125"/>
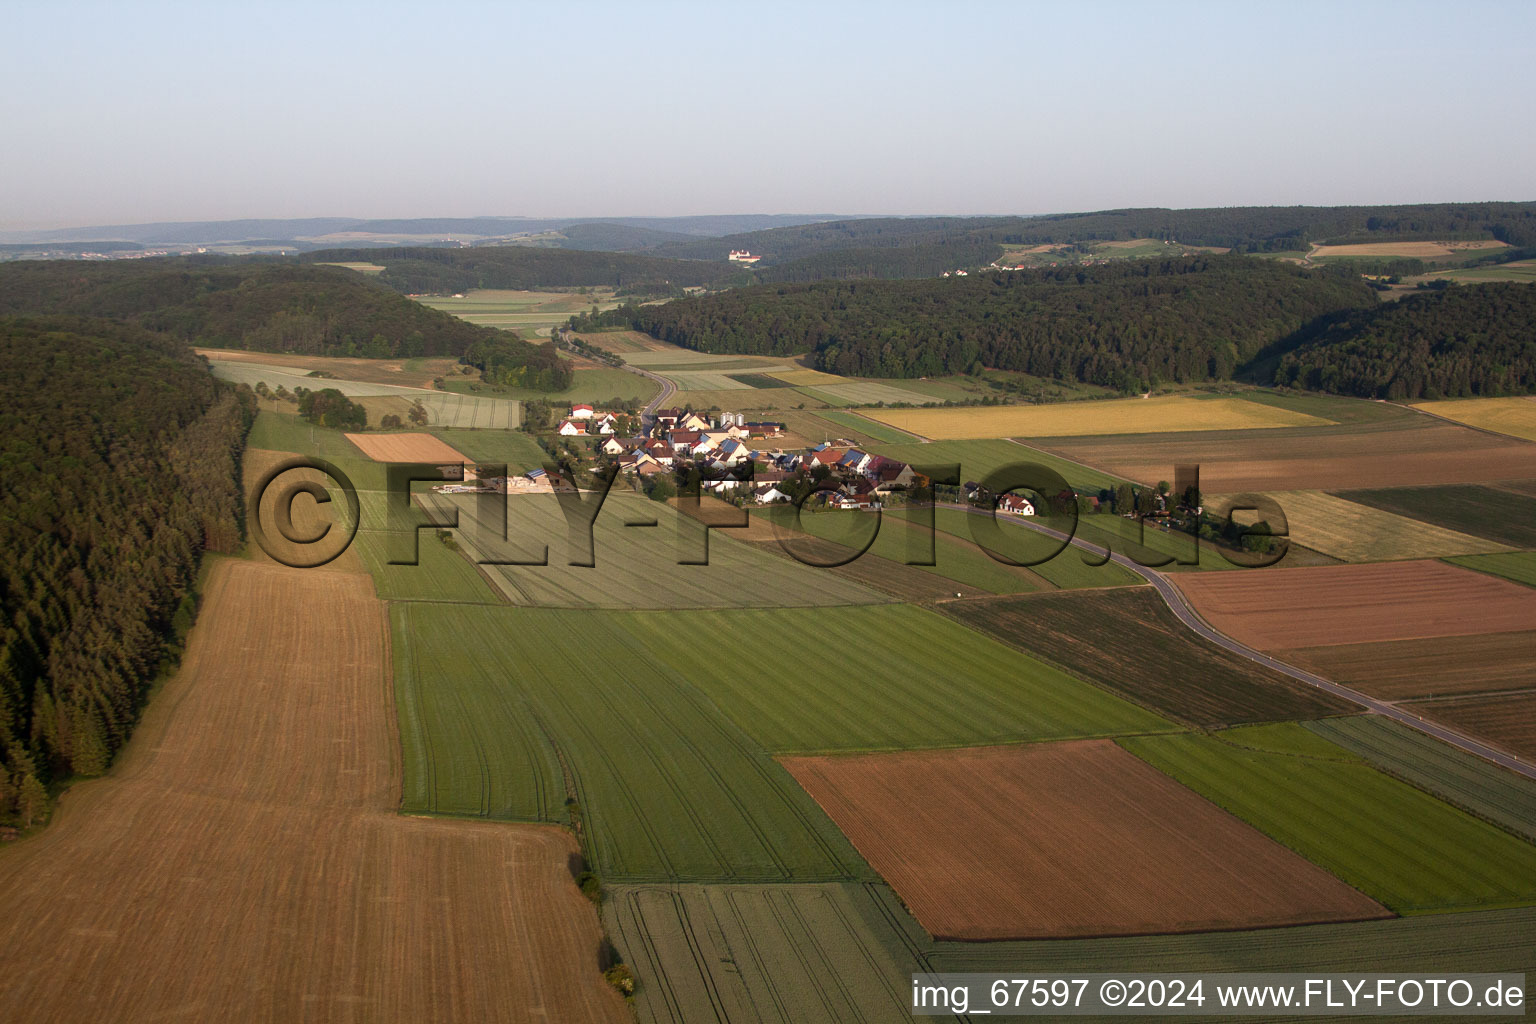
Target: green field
<point x="1493" y="512"/>
<point x="280" y="432"/>
<point x="518" y="450"/>
<point x="1519" y="566"/>
<point x="782" y="953"/>
<point x="1128" y="642"/>
<point x="887" y="678"/>
<point x="1397" y="844"/>
<point x="1488" y="791"/>
<point x="867" y="393"/>
<point x="493" y="701"/>
<point x="637" y="566"/>
<point x="531" y="314"/>
<point x="880" y="433"/>
<point x="978" y="458"/>
<point x="593" y="384"/>
<point x="760" y="381"/>
<point x="440" y="574"/>
<point x="898" y="540"/>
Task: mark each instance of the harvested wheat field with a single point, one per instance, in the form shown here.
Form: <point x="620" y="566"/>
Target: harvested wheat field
<point x="408" y="448"/>
<point x="1165" y="414"/>
<point x="1324" y="605"/>
<point x="309" y="517"/>
<point x="244" y="860"/>
<point x="1513" y="416"/>
<point x="1063" y="840"/>
<point x="1353" y="532"/>
<point x="1407" y="250"/>
<point x="1437" y="666"/>
<point x="1402" y="450"/>
<point x="1506" y="720"/>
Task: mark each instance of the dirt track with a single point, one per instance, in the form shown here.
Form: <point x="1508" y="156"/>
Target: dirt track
<point x="1055" y="840"/>
<point x="244" y="861"/>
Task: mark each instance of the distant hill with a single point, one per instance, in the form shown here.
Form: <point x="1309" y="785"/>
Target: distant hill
<point x="263" y="305"/>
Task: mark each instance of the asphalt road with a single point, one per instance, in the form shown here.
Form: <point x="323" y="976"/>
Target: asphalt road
<point x="1191" y="618"/>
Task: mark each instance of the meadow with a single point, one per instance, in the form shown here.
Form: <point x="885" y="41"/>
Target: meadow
<point x="978" y="459"/>
<point x="1397" y="844"/>
<point x="866" y="393"/>
<point x="1163" y="414"/>
<point x="531" y="314"/>
<point x="593" y="384"/>
<point x="917" y="680"/>
<point x="495" y="702"/>
<point x="1519" y="566"/>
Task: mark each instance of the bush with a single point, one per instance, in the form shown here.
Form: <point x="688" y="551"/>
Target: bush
<point x="621" y="978"/>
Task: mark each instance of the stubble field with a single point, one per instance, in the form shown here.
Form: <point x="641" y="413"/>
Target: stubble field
<point x="1164" y="414"/>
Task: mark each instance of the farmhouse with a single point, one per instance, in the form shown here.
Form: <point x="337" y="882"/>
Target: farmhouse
<point x="572" y="428"/>
<point x="1013" y="505"/>
<point x="581" y="412"/>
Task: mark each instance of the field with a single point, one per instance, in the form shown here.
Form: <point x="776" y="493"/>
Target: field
<point x="1435" y="666"/>
<point x="406" y="448"/>
<point x="1498" y="513"/>
<point x="784" y="954"/>
<point x="495" y="702"/>
<point x="1506" y="720"/>
<point x="439" y="575"/>
<point x="261" y="787"/>
<point x="1399" y="448"/>
<point x="519" y="451"/>
<point x="1351" y="604"/>
<point x="418" y="372"/>
<point x="1128" y="642"/>
<point x="862" y="425"/>
<point x="978" y="459"/>
<point x="1034" y="842"/>
<point x="1406" y="250"/>
<point x="595" y="384"/>
<point x="865" y="393"/>
<point x="1490" y="792"/>
<point x="1353" y="532"/>
<point x="914" y="679"/>
<point x="531" y="314"/>
<point x="1397" y="844"/>
<point x="637" y="546"/>
<point x="1513" y="416"/>
<point x="1519" y="566"/>
<point x="625" y="342"/>
<point x="768" y="400"/>
<point x="1164" y="414"/>
<point x="1517" y="271"/>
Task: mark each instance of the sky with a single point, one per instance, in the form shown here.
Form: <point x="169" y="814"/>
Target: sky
<point x="114" y="113"/>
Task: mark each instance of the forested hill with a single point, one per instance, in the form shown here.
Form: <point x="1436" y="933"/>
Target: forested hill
<point x="263" y="305"/>
<point x="1121" y="325"/>
<point x="422" y="270"/>
<point x="1456" y="342"/>
<point x="119" y="459"/>
<point x="1247" y="229"/>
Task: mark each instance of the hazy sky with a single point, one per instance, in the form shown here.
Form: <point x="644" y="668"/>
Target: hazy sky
<point x="129" y="112"/>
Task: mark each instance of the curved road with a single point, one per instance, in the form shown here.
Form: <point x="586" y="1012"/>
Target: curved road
<point x="1186" y="614"/>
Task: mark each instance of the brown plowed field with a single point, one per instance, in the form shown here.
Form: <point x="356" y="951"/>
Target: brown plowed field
<point x="1352" y="604"/>
<point x="407" y="448"/>
<point x="1063" y="840"/>
<point x="1504" y="720"/>
<point x="1425" y="668"/>
<point x="1385" y="454"/>
<point x="244" y="860"/>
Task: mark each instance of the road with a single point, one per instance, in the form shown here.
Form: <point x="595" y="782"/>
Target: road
<point x="1186" y="614"/>
<point x="668" y="389"/>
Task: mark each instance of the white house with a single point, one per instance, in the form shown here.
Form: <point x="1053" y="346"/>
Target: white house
<point x="1013" y="505"/>
<point x="570" y="428"/>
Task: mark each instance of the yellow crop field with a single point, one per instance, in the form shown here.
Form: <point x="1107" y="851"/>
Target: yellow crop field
<point x="1162" y="415"/>
<point x="1359" y="533"/>
<point x="1513" y="416"/>
<point x="807" y="378"/>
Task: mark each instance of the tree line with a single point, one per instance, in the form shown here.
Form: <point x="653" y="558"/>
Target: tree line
<point x="1453" y="342"/>
<point x="1123" y="325"/>
<point x="119" y="468"/>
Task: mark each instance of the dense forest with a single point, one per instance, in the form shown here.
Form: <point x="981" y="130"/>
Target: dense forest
<point x="1456" y="342"/>
<point x="1124" y="325"/>
<point x="419" y="270"/>
<point x="119" y="459"/>
<point x="1247" y="229"/>
<point x="259" y="304"/>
